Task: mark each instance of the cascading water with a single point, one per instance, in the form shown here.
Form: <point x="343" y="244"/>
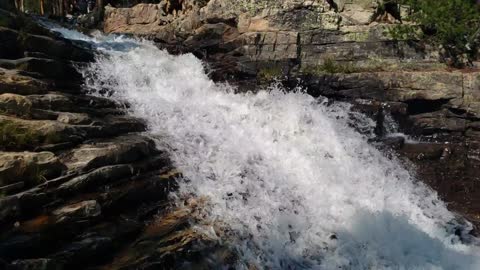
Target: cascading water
<point x="295" y="184"/>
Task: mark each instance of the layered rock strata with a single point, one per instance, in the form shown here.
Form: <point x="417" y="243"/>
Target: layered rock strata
<point x="81" y="184"/>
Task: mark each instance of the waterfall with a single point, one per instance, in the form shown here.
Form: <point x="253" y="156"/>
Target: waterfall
<point x="289" y="177"/>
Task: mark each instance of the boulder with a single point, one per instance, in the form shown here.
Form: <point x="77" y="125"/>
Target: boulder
<point x="33" y="168"/>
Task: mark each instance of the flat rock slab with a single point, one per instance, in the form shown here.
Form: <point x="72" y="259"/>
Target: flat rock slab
<point x="119" y="150"/>
<point x="33" y="168"/>
<point x="11" y="81"/>
<point x="21" y="134"/>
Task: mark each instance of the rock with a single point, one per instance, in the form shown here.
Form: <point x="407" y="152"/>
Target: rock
<point x="79" y="211"/>
<point x="117" y="125"/>
<point x="23" y="134"/>
<point x="74" y="118"/>
<point x="218" y="11"/>
<point x="54" y="48"/>
<point x="63" y="102"/>
<point x="422" y="151"/>
<point x="84" y="252"/>
<point x="9" y="48"/>
<point x="471" y="96"/>
<point x="96" y="178"/>
<point x="9" y="208"/>
<point x="12" y="82"/>
<point x="34" y="264"/>
<point x="144" y="190"/>
<point x="52" y="101"/>
<point x="107" y="174"/>
<point x="123" y="149"/>
<point x="430" y="123"/>
<point x="54" y="216"/>
<point x="15" y="105"/>
<point x="12" y="188"/>
<point x="356" y="13"/>
<point x="33" y="168"/>
<point x="49" y="68"/>
<point x="395" y="142"/>
<point x="21" y="205"/>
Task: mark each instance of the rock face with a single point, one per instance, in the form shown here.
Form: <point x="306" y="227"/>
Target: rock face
<point x="78" y="181"/>
<point x="248" y="37"/>
<point x="342" y="50"/>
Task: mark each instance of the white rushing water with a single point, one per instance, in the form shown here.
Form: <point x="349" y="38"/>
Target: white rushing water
<point x="296" y="185"/>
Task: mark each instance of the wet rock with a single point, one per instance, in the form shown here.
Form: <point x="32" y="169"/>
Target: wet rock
<point x="423" y="151"/>
<point x="78" y="211"/>
<point x="123" y="149"/>
<point x="130" y="195"/>
<point x="33" y="168"/>
<point x="116" y="125"/>
<point x="430" y="123"/>
<point x="107" y="174"/>
<point x="96" y="178"/>
<point x="395" y="142"/>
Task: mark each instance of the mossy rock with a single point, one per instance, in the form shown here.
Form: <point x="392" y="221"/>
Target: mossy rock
<point x="270" y="73"/>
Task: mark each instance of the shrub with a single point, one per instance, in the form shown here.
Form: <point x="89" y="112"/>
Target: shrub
<point x="452" y="24"/>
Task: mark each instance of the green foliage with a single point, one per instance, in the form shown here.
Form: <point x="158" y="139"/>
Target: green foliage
<point x="269" y="73"/>
<point x="453" y="24"/>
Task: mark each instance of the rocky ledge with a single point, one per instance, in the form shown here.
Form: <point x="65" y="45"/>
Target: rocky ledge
<point x="81" y="185"/>
<point x="343" y="50"/>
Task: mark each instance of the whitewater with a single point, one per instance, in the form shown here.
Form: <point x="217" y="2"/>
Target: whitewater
<point x="295" y="183"/>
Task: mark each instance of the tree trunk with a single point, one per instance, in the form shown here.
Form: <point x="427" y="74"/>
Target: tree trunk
<point x="42" y="11"/>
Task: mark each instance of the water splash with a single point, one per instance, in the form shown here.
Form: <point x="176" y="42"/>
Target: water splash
<point x="295" y="184"/>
